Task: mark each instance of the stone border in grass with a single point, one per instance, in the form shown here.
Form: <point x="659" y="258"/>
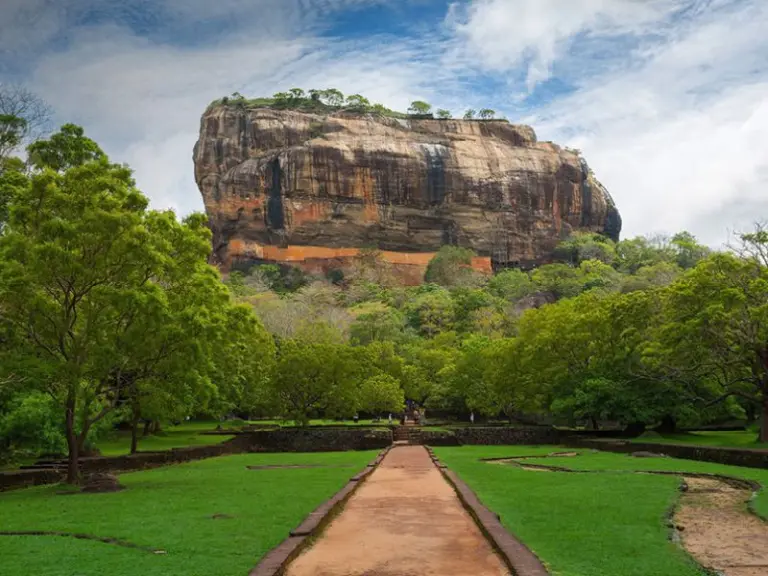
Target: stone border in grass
<point x="317" y="439"/>
<point x="285" y="440"/>
<point x="731" y="456"/>
<point x="80" y="536"/>
<point x="518" y="557"/>
<point x="276" y="560"/>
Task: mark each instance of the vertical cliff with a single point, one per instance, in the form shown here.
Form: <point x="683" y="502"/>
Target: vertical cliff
<point x="312" y="190"/>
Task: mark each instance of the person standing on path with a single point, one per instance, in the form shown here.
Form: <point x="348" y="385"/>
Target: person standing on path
<point x="472" y="417"/>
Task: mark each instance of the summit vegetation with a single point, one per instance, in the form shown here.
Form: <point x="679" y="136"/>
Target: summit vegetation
<point x="333" y="100"/>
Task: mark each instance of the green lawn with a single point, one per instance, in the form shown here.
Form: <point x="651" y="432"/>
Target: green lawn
<point x="170" y="508"/>
<point x="185" y="434"/>
<point x="607" y="524"/>
<point x="735" y="439"/>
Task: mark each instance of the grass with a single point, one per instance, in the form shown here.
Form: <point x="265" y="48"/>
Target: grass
<point x="185" y="434"/>
<point x="170" y="508"/>
<point x="191" y="434"/>
<point x="608" y="524"/>
<point x="734" y="439"/>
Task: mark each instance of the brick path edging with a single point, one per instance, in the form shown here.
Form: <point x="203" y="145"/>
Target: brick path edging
<point x="520" y="559"/>
<point x="277" y="559"/>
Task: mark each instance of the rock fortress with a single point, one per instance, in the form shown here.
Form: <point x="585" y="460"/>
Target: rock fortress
<point x="312" y="190"/>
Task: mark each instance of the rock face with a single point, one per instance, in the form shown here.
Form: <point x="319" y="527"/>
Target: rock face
<point x="312" y="191"/>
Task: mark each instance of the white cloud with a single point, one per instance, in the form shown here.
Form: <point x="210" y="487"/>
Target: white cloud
<point x="685" y="136"/>
<point x="669" y="107"/>
<point x="142" y="100"/>
<point x="505" y="34"/>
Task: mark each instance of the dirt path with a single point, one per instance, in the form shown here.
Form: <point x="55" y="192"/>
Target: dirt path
<point x="712" y="520"/>
<point x="719" y="531"/>
<point x="404" y="521"/>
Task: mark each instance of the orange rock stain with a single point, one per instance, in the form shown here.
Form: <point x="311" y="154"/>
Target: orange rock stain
<point x="311" y="257"/>
<point x="303" y="212"/>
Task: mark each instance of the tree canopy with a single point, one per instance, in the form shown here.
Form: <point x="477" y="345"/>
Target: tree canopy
<point x="111" y="315"/>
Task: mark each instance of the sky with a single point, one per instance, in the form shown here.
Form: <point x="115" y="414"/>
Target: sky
<point x="667" y="99"/>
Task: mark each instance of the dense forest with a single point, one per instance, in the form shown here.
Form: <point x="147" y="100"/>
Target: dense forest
<point x="111" y="315"/>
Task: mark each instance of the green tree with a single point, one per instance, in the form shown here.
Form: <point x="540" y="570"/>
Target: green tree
<point x="470" y="114"/>
<point x="581" y="246"/>
<point x="68" y="148"/>
<point x="443" y="113"/>
<point x="688" y="251"/>
<point x="559" y="279"/>
<point x="332" y="97"/>
<point x="431" y="312"/>
<point x="12" y="130"/>
<point x="381" y="393"/>
<point x="76" y="256"/>
<point x="594" y="399"/>
<point x="297" y="94"/>
<point x="13" y="180"/>
<point x="419" y="107"/>
<point x="594" y="274"/>
<point x="314" y="377"/>
<point x="380" y="325"/>
<point x="714" y="333"/>
<point x="647" y="277"/>
<point x="487" y="113"/>
<point x="466" y="302"/>
<point x="358" y="102"/>
<point x="452" y="266"/>
<point x="511" y="285"/>
<point x="634" y="253"/>
<point x="465" y="384"/>
<point x="282" y="99"/>
<point x="241" y="355"/>
<point x="514" y="386"/>
<point x="425" y="361"/>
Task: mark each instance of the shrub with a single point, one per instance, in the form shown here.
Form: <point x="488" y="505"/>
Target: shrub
<point x="32" y="426"/>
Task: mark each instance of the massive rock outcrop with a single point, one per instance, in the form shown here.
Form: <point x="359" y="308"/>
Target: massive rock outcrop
<point x="311" y="190"/>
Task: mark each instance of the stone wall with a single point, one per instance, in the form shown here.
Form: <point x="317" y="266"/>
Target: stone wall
<point x="144" y="460"/>
<point x="438" y="438"/>
<point x="139" y="461"/>
<point x="283" y="440"/>
<point x="509" y="436"/>
<point x="314" y="440"/>
<point x="730" y="456"/>
<point x="24" y="478"/>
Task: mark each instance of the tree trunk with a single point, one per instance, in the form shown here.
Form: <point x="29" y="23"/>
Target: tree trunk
<point x="751" y="413"/>
<point x="73" y="473"/>
<point x="595" y="424"/>
<point x="634" y="429"/>
<point x="134" y="435"/>
<point x="668" y="425"/>
<point x="764" y="422"/>
<point x="134" y="428"/>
